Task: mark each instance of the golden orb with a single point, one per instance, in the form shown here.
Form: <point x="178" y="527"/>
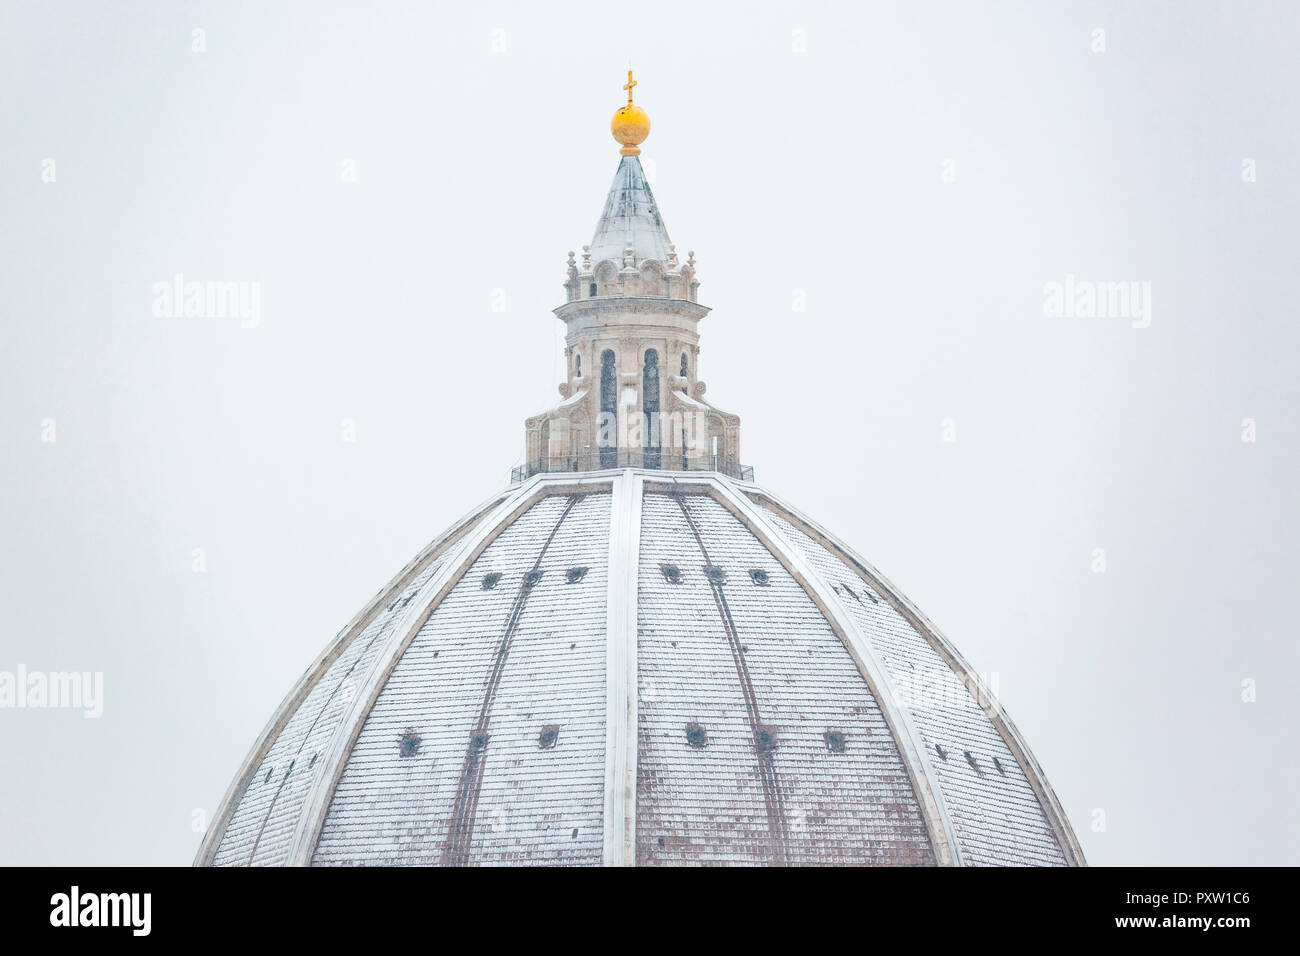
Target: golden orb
<point x="630" y="124"/>
<point x="630" y="127"/>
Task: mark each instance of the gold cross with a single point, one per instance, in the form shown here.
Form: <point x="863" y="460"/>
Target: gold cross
<point x="630" y="83"/>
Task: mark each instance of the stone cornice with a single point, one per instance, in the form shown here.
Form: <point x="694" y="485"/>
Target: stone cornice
<point x="607" y="305"/>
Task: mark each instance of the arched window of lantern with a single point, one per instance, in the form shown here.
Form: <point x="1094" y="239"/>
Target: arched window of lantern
<point x="608" y="428"/>
<point x="650" y="405"/>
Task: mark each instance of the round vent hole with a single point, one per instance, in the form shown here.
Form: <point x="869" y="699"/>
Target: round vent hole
<point x="409" y="744"/>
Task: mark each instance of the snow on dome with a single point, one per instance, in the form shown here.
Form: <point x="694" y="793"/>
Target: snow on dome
<point x="757" y="704"/>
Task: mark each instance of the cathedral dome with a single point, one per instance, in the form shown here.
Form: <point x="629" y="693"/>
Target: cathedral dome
<point x="636" y="655"/>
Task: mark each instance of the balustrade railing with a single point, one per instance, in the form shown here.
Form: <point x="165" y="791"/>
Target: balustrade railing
<point x="622" y="458"/>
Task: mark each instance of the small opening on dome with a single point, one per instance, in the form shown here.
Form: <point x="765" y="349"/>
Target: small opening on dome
<point x="715" y="575"/>
<point x="696" y="737"/>
<point x="971" y="760"/>
<point x="759" y="576"/>
<point x="575" y="833"/>
<point x="591" y="291"/>
<point x="766" y="739"/>
<point x="835" y="741"/>
<point x="574" y="575"/>
<point x="852" y="593"/>
<point x="267" y="779"/>
<point x="313" y="760"/>
<point x="548" y="737"/>
<point x="672" y="573"/>
<point x="661" y="843"/>
<point x="998" y="763"/>
<point x="478" y="743"/>
<point x="490" y="580"/>
<point x="943" y="754"/>
<point x="409" y="744"/>
<point x="531" y="578"/>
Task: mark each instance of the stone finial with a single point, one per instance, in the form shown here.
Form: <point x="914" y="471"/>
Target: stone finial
<point x="586" y="258"/>
<point x="672" y="258"/>
<point x="690" y="258"/>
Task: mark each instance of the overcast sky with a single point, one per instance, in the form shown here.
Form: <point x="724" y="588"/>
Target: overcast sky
<point x="916" y="173"/>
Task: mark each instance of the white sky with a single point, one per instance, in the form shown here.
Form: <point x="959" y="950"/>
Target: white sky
<point x="820" y="171"/>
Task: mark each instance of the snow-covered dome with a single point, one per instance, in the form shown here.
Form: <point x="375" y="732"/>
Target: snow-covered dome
<point x="634" y="666"/>
<point x="636" y="655"/>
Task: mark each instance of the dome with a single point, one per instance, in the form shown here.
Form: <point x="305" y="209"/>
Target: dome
<point x="634" y="655"/>
<point x="630" y="666"/>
